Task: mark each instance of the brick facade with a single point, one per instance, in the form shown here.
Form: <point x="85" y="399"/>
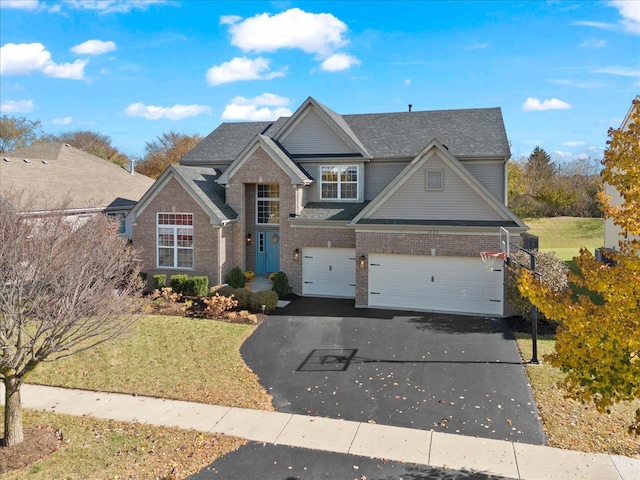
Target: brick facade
<point x="173" y="198"/>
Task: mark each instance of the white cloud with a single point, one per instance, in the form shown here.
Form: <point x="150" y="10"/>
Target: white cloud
<point x="25" y="58"/>
<point x="61" y="121"/>
<point x="319" y="33"/>
<point x="619" y="70"/>
<point x="407" y="81"/>
<point x="257" y="108"/>
<point x="600" y="25"/>
<point x="630" y="12"/>
<point x="241" y="68"/>
<point x="574" y="144"/>
<point x="16" y="106"/>
<point x="533" y="104"/>
<point x="113" y="6"/>
<point x="20" y="4"/>
<point x="478" y="46"/>
<point x="338" y="62"/>
<point x="594" y="43"/>
<point x="94" y="47"/>
<point x="177" y="112"/>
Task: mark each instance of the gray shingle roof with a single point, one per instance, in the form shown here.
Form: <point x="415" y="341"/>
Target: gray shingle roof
<point x="466" y="132"/>
<point x="203" y="185"/>
<point x="57" y="173"/>
<point x="226" y="142"/>
<point x="318" y="211"/>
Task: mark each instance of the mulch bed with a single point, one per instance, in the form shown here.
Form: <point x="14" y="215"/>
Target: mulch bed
<point x="38" y="443"/>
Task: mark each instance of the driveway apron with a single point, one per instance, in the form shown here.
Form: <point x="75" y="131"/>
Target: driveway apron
<point x="447" y="373"/>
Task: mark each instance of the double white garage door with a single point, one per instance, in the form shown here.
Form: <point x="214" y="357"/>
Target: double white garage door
<point x="447" y="284"/>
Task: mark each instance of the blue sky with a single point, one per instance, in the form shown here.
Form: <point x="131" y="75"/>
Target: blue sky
<point x="563" y="72"/>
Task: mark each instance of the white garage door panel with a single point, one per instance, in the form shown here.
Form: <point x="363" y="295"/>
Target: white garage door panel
<point x="450" y="284"/>
<point x="329" y="272"/>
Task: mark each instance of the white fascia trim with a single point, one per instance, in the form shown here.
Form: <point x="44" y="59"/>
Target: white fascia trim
<point x="435" y="229"/>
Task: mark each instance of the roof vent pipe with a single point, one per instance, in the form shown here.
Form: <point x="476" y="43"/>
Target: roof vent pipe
<point x="410" y="107"/>
<point x="133" y="169"/>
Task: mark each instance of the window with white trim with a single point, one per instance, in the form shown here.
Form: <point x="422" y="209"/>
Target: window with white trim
<point x="435" y="180"/>
<point x="175" y="240"/>
<point x="339" y="182"/>
<point x="268" y="204"/>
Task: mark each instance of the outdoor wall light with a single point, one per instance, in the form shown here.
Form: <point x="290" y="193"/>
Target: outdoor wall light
<point x="362" y="262"/>
<point x="296" y="254"/>
<point x="249" y="239"/>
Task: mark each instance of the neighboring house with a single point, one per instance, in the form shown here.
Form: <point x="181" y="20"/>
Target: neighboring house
<point x="56" y="174"/>
<point x="391" y="209"/>
<point x="613" y="233"/>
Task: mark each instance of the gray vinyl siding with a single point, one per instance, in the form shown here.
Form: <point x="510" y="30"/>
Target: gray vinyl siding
<point x="490" y="174"/>
<point x="379" y="175"/>
<point x="457" y="200"/>
<point x="313" y="136"/>
<point x="313" y="169"/>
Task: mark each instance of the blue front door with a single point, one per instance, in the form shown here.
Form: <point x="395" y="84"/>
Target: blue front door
<point x="267" y="251"/>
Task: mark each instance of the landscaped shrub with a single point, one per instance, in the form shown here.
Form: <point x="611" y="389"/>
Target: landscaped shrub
<point x="197" y="286"/>
<point x="225" y="291"/>
<point x="178" y="283"/>
<point x="218" y="304"/>
<point x="268" y="298"/>
<point x="553" y="273"/>
<point x="236" y="278"/>
<point x="159" y="281"/>
<point x="280" y="284"/>
<point x="243" y="296"/>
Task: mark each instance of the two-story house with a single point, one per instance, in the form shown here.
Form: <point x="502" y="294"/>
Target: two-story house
<point x="389" y="209"/>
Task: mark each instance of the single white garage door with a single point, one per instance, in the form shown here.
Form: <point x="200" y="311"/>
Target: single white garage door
<point x="445" y="284"/>
<point x="329" y="272"/>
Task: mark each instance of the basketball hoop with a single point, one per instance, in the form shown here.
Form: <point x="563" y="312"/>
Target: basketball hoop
<point x="490" y="258"/>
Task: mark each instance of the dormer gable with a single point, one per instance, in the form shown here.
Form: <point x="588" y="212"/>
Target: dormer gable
<point x="317" y="131"/>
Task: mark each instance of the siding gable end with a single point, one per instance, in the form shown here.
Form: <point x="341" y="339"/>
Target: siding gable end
<point x="463" y="196"/>
<point x="313" y="136"/>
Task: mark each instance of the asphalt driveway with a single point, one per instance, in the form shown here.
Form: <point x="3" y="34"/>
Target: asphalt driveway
<point x="450" y="373"/>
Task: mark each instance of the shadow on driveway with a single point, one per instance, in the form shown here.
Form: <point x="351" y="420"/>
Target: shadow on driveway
<point x="450" y="373"/>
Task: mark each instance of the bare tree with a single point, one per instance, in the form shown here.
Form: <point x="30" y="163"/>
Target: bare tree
<point x="65" y="286"/>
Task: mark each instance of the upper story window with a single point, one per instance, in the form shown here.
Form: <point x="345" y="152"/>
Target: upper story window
<point x="339" y="182"/>
<point x="268" y="204"/>
<point x="175" y="240"/>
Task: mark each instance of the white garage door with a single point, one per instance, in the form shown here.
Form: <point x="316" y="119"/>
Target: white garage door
<point x="446" y="284"/>
<point x="329" y="272"/>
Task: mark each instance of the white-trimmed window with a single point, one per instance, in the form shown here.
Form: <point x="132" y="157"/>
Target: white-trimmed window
<point x="435" y="180"/>
<point x="268" y="204"/>
<point x="175" y="240"/>
<point x="339" y="182"/>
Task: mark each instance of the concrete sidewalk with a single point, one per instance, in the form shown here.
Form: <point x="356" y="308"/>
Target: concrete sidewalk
<point x="502" y="458"/>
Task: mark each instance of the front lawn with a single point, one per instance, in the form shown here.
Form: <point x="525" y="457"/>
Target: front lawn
<point x="170" y="357"/>
<point x="163" y="356"/>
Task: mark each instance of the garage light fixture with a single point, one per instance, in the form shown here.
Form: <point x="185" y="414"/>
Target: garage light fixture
<point x="249" y="239"/>
<point x="296" y="254"/>
<point x="362" y="263"/>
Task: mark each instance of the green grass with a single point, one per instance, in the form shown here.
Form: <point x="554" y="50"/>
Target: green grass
<point x="567" y="235"/>
<point x="104" y="449"/>
<point x="165" y="356"/>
